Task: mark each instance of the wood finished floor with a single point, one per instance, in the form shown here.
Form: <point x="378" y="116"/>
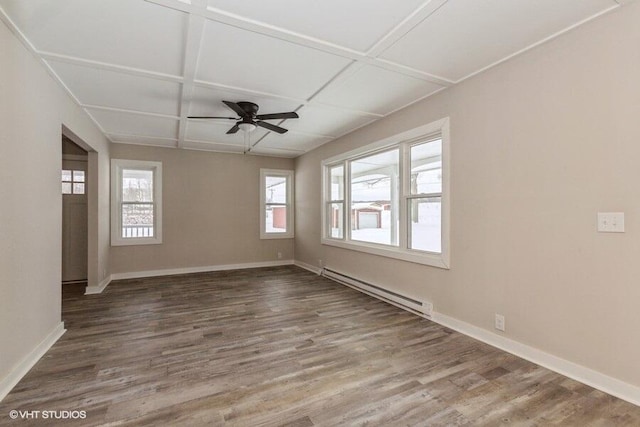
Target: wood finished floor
<point x="284" y="347"/>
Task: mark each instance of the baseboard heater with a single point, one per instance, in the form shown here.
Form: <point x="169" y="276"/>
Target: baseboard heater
<point x="421" y="308"/>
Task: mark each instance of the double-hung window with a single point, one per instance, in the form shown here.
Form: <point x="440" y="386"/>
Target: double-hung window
<point x="391" y="198"/>
<point x="276" y="204"/>
<point x="136" y="202"/>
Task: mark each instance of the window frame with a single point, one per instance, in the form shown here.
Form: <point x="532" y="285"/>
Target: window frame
<point x="73" y="181"/>
<point x="289" y="204"/>
<point x="404" y="141"/>
<point x="117" y="166"/>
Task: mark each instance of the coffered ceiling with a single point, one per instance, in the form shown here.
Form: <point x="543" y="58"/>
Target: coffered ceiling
<point x="139" y="68"/>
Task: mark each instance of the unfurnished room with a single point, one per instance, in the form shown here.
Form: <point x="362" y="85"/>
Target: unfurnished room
<point x="319" y="213"/>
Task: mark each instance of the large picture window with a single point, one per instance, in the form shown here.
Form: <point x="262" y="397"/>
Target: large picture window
<point x="276" y="204"/>
<point x="391" y="198"/>
<point x="136" y="202"/>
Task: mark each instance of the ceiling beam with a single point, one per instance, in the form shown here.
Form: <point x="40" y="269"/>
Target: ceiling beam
<point x="130" y="136"/>
<point x="211" y="85"/>
<point x="420" y="14"/>
<point x="195" y="30"/>
<point x="127" y="111"/>
<point x="224" y="17"/>
<point x="50" y="56"/>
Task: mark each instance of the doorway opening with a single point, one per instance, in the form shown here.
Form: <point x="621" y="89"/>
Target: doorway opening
<point x="74" y="186"/>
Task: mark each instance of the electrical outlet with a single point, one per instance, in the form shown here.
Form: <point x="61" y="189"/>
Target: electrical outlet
<point x="499" y="322"/>
<point x="611" y="222"/>
<point x="319" y="263"/>
<point x="279" y="255"/>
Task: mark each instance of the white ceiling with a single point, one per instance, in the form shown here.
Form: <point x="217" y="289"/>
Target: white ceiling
<point x="139" y="68"/>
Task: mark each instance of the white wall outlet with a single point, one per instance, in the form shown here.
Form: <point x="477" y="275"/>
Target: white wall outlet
<point x="279" y="255"/>
<point x="611" y="222"/>
<point x="499" y="322"/>
<point x="319" y="263"/>
<point x="427" y="308"/>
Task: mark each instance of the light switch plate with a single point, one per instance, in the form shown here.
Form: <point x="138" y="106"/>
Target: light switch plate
<point x="611" y="222"/>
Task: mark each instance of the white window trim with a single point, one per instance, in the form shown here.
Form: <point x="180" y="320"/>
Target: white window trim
<point x="288" y="174"/>
<point x="117" y="165"/>
<point x="441" y="260"/>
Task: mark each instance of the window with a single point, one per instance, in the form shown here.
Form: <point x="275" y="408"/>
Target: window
<point x="390" y="198"/>
<point x="374" y="198"/>
<point x="136" y="202"/>
<point x="73" y="181"/>
<point x="276" y="204"/>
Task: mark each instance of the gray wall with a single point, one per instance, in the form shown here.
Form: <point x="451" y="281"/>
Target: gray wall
<point x="211" y="211"/>
<point x="33" y="109"/>
<point x="539" y="145"/>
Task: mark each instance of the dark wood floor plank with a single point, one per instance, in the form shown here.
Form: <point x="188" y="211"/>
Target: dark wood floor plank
<point x="284" y="347"/>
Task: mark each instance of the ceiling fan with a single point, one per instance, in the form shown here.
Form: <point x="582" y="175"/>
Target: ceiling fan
<point x="249" y="118"/>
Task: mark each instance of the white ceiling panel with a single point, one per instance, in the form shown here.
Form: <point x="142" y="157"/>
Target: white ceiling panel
<point x="135" y="124"/>
<point x="292" y="141"/>
<point x="253" y="61"/>
<point x="464" y="36"/>
<point x="208" y="102"/>
<point x="376" y="90"/>
<point x="326" y="121"/>
<point x="356" y="24"/>
<point x="119" y="57"/>
<point x="124" y="32"/>
<point x="112" y="89"/>
<point x="216" y="131"/>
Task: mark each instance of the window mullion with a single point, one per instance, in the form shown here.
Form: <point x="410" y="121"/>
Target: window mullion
<point x="347" y="201"/>
<point x="396" y="201"/>
<point x="403" y="174"/>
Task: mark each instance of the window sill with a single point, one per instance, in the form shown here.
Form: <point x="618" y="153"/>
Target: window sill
<point x="136" y="241"/>
<point x="267" y="236"/>
<point x="425" y="258"/>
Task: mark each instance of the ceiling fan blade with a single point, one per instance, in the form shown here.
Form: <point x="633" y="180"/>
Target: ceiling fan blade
<point x="235" y="107"/>
<point x="234" y="129"/>
<point x="211" y="117"/>
<point x="291" y="115"/>
<point x="271" y="127"/>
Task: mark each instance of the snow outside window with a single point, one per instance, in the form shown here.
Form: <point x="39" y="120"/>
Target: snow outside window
<point x="391" y="198"/>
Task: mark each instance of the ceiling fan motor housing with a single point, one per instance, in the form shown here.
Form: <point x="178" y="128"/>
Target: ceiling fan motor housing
<point x="249" y="107"/>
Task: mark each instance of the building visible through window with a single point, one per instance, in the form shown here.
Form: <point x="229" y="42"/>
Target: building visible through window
<point x="390" y="198"/>
<point x="276" y="204"/>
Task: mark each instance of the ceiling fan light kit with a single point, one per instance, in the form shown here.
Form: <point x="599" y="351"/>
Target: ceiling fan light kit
<point x="247" y="127"/>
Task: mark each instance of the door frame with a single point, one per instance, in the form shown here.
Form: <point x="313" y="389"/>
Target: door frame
<point x="93" y="267"/>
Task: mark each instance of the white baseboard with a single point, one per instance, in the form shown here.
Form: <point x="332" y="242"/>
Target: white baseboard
<point x="187" y="270"/>
<point x="91" y="290"/>
<point x="590" y="377"/>
<point x="595" y="379"/>
<point x="10" y="381"/>
<point x="311" y="268"/>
